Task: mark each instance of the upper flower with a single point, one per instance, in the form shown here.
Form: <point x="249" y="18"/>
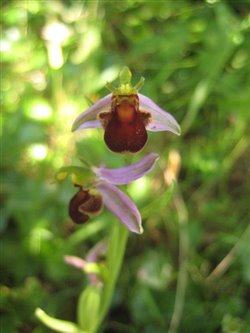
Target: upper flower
<point x="125" y="116"/>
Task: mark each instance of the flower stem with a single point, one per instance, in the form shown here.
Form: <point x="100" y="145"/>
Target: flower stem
<point x="117" y="246"/>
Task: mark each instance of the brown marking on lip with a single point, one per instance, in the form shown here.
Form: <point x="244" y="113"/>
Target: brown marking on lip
<point x="125" y="124"/>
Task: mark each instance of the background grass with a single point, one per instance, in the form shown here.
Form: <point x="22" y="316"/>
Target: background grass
<point x="56" y="55"/>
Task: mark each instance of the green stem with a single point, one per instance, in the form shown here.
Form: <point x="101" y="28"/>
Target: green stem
<point x="117" y="246"/>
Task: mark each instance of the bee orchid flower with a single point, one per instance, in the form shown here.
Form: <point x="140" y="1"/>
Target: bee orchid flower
<point x="125" y="116"/>
<point x="89" y="201"/>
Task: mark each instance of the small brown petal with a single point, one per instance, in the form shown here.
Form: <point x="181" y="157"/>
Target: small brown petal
<point x="77" y="216"/>
<point x="92" y="205"/>
<point x="84" y="203"/>
<point x="104" y="118"/>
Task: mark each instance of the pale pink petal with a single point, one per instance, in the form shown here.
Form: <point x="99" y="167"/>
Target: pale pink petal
<point x="121" y="206"/>
<point x="161" y="120"/>
<point x="129" y="173"/>
<point x="90" y="124"/>
<point x="75" y="262"/>
<point x="88" y="118"/>
<point x="98" y="251"/>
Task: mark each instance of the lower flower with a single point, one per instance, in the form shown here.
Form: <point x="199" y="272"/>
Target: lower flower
<point x="103" y="192"/>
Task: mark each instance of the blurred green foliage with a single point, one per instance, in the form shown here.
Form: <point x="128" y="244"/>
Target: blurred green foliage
<point x="56" y="55"/>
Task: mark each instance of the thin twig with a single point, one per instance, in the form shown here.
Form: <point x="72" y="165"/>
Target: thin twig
<point x="183" y="258"/>
<point x="225" y="263"/>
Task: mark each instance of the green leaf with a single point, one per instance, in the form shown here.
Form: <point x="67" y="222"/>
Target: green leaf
<point x="57" y="325"/>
